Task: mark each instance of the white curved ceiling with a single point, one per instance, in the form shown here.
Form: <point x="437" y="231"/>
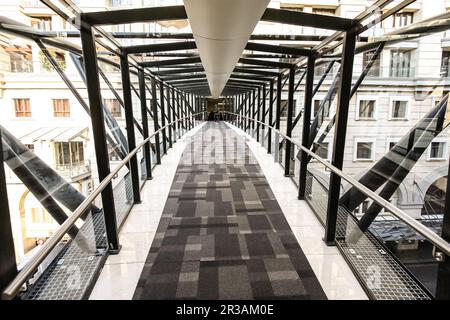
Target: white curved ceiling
<point x="221" y="29"/>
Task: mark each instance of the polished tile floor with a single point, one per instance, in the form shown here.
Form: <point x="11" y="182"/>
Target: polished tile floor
<point x="119" y="277"/>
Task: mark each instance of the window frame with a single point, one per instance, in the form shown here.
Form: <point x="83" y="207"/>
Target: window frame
<point x="286" y="109"/>
<point x="118" y="103"/>
<point x="445" y="152"/>
<point x="30" y="112"/>
<point x="389" y="140"/>
<point x="399" y="16"/>
<point x="391" y="107"/>
<point x="375" y="108"/>
<point x="377" y="63"/>
<point x="411" y="72"/>
<point x="364" y="140"/>
<point x="64" y="112"/>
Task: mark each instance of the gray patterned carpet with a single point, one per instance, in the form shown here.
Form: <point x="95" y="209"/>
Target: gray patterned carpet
<point x="222" y="234"/>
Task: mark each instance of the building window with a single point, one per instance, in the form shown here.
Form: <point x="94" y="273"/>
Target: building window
<point x="113" y="106"/>
<point x="20" y="62"/>
<point x="401" y="64"/>
<point x="42" y="23"/>
<point x="291" y="6"/>
<point x="317" y="104"/>
<point x="40" y="215"/>
<point x="58" y="56"/>
<point x="366" y="109"/>
<point x="322" y="150"/>
<point x="392" y="144"/>
<point x="22" y="108"/>
<point x="444" y="64"/>
<point x="399" y="110"/>
<point x="69" y="153"/>
<point x="284" y="108"/>
<point x="61" y="108"/>
<point x="375" y="69"/>
<point x="326" y="108"/>
<point x="364" y="150"/>
<point x="113" y="156"/>
<point x="437" y="150"/>
<point x="402" y="19"/>
<point x="324" y="11"/>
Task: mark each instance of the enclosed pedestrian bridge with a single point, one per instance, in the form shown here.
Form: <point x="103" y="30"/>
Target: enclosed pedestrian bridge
<point x="228" y="161"/>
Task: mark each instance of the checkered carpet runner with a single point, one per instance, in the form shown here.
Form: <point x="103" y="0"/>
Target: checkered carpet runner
<point x="222" y="234"/>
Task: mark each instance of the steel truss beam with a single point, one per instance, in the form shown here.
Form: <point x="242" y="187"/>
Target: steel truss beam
<point x="179" y="71"/>
<point x="124" y="16"/>
<point x="253" y="71"/>
<point x="307" y="19"/>
<point x="160" y="47"/>
<point x="255" y="46"/>
<point x="267" y="63"/>
<point x="171" y="62"/>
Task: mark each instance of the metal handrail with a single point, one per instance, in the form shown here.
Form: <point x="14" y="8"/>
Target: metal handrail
<point x="431" y="236"/>
<point x="27" y="271"/>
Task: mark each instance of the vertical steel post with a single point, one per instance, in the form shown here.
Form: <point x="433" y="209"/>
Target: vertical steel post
<point x="263" y="115"/>
<point x="309" y="87"/>
<point x="174" y="115"/>
<point x="340" y="130"/>
<point x="180" y="123"/>
<point x="143" y="98"/>
<point x="253" y="112"/>
<point x="8" y="267"/>
<point x="98" y="131"/>
<point x="128" y="106"/>
<point x="277" y="119"/>
<point x="269" y="134"/>
<point x="243" y="102"/>
<point x="247" y="112"/>
<point x="163" y="116"/>
<point x="258" y="114"/>
<point x="155" y="121"/>
<point x="169" y="116"/>
<point x="287" y="158"/>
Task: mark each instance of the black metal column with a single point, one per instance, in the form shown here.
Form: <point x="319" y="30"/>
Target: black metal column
<point x="309" y="87"/>
<point x="253" y="111"/>
<point x="263" y="115"/>
<point x="163" y="116"/>
<point x="258" y="114"/>
<point x="287" y="158"/>
<point x="248" y="112"/>
<point x="143" y="98"/>
<point x="175" y="114"/>
<point x="98" y="131"/>
<point x="278" y="119"/>
<point x="169" y="116"/>
<point x="155" y="121"/>
<point x="244" y="104"/>
<point x="8" y="267"/>
<point x="269" y="133"/>
<point x="340" y="130"/>
<point x="179" y="123"/>
<point x="128" y="106"/>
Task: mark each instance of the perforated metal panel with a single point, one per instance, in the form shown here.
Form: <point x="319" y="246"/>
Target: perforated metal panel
<point x="72" y="273"/>
<point x="383" y="277"/>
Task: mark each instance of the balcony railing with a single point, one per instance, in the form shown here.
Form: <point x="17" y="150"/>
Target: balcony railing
<point x="401" y="72"/>
<point x="74" y="170"/>
<point x="22" y="66"/>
